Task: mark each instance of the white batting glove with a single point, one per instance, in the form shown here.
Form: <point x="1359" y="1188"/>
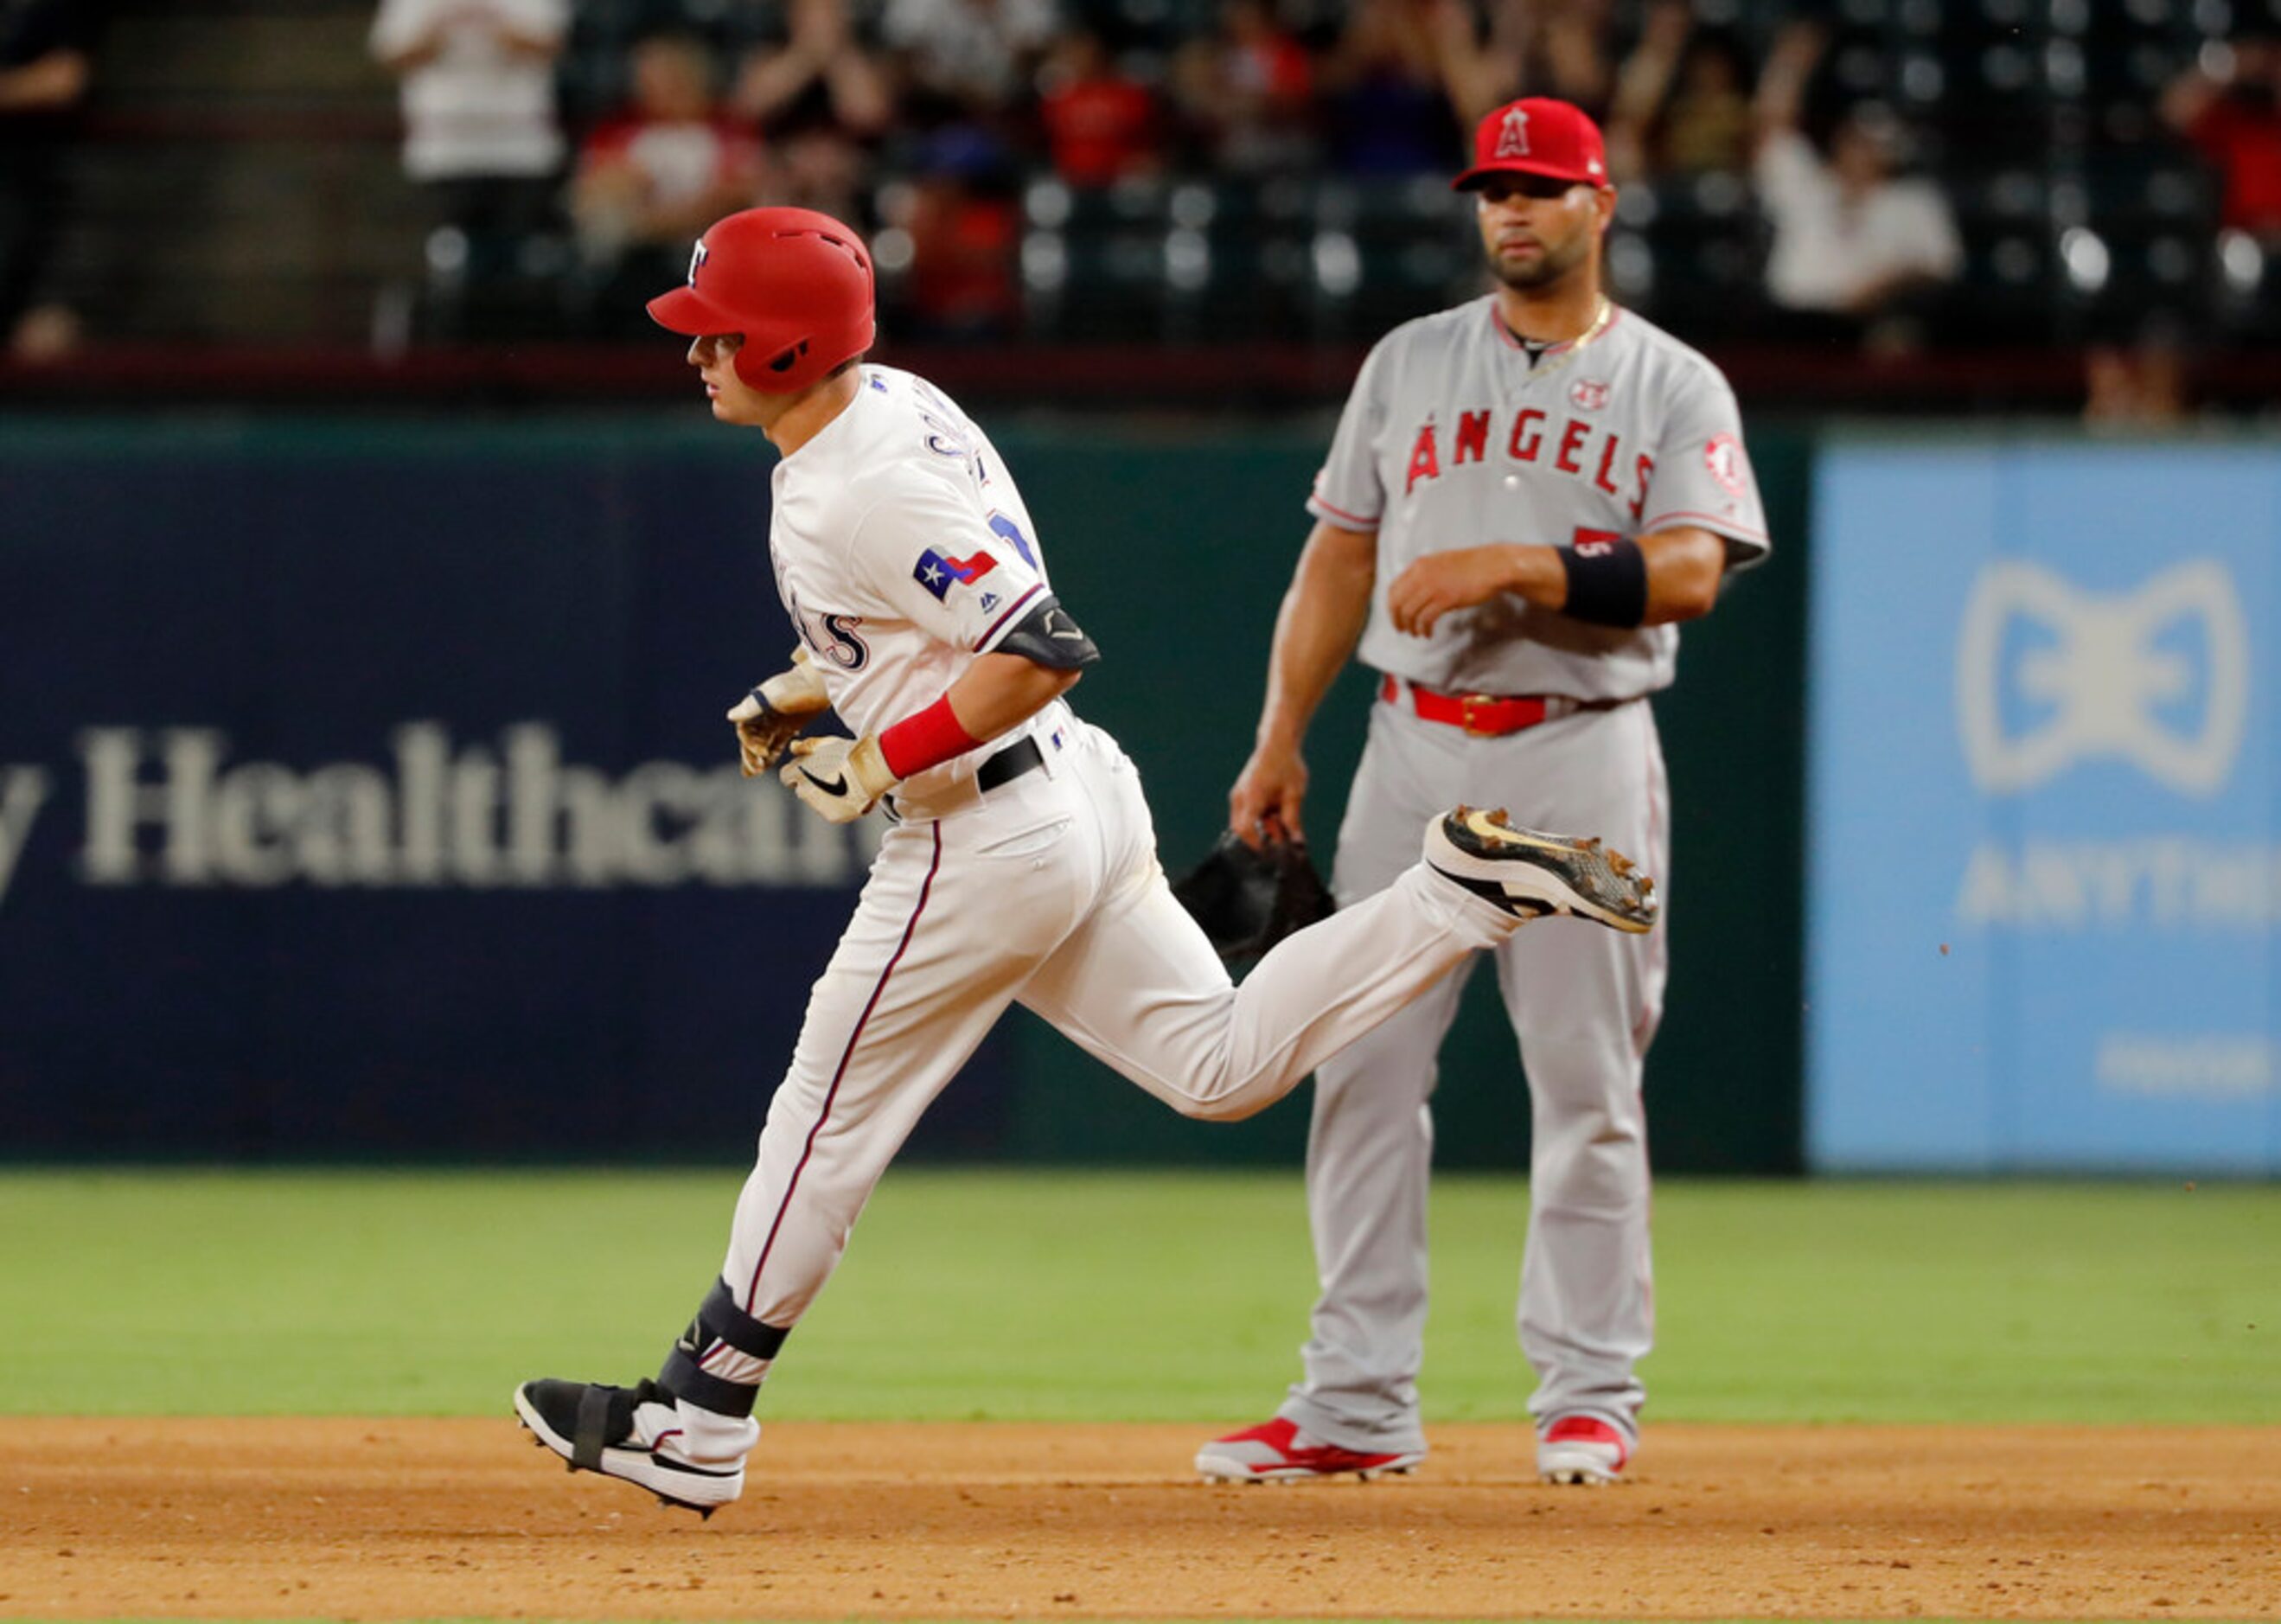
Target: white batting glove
<point x="842" y="778"/>
<point x="771" y="716"/>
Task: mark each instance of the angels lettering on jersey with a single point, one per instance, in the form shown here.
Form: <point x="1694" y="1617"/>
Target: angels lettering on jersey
<point x="1570" y="444"/>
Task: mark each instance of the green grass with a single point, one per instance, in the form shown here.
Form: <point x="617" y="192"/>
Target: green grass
<point x="1102" y="1296"/>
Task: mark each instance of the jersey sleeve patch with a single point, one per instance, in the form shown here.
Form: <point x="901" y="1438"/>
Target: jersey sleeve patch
<point x="1722" y="456"/>
<point x="939" y="572"/>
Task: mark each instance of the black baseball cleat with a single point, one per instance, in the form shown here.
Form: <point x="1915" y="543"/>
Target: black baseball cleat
<point x="593" y="1427"/>
<point x="1531" y="874"/>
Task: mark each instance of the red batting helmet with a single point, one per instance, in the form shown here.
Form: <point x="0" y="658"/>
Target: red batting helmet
<point x="795" y="283"/>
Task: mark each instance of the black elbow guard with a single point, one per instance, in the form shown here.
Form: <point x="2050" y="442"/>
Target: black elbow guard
<point x="1047" y="637"/>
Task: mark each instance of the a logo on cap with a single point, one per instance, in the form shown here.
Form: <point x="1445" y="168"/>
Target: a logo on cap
<point x="1512" y="136"/>
<point x="696" y="259"/>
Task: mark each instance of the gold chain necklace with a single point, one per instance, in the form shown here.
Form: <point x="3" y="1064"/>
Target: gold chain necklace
<point x="1601" y="317"/>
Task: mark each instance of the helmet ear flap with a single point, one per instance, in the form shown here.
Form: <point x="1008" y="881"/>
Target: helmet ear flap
<point x="768" y="374"/>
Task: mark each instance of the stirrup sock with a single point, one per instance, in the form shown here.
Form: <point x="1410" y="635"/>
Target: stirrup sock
<point x="719" y="1323"/>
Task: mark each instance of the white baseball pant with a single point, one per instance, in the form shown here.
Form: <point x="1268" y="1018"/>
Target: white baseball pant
<point x="1048" y="892"/>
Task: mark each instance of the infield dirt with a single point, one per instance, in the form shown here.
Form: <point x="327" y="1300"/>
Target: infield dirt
<point x="396" y="1519"/>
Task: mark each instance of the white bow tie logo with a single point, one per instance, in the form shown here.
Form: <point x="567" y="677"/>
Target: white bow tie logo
<point x="2106" y="682"/>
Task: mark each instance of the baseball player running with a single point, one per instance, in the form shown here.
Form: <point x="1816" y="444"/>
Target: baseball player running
<point x="1525" y="493"/>
<point x="1021" y="863"/>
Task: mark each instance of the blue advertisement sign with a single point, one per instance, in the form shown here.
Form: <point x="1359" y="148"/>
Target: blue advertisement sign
<point x="365" y="792"/>
<point x="2045" y="886"/>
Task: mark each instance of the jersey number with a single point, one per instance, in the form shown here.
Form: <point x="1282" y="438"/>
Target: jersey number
<point x="834" y="638"/>
<point x="1011" y="531"/>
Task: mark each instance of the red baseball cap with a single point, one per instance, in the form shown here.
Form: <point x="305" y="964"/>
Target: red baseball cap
<point x="1537" y="136"/>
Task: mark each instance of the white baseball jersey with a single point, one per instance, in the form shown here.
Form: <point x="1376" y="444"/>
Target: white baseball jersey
<point x="902" y="551"/>
<point x="1452" y="440"/>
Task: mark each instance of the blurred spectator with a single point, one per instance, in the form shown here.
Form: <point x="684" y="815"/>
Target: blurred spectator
<point x="1385" y="106"/>
<point x="47" y="58"/>
<point x="1102" y="124"/>
<point x="2230" y="107"/>
<point x="965" y="227"/>
<point x="2136" y="387"/>
<point x="818" y="167"/>
<point x="1856" y="252"/>
<point x="960" y="60"/>
<point x="652" y="177"/>
<point x="821" y="77"/>
<point x="1681" y="105"/>
<point x="1555" y="48"/>
<point x="819" y="100"/>
<point x="481" y="133"/>
<point x="1246" y="90"/>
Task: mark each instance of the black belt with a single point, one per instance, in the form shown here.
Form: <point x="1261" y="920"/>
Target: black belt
<point x="1008" y="764"/>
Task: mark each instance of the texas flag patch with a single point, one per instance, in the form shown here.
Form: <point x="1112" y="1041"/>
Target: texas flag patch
<point x="939" y="572"/>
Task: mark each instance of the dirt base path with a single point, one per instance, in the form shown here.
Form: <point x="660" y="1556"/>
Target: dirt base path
<point x="393" y="1520"/>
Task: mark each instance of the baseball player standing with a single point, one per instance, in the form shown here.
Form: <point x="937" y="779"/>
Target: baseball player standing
<point x="1525" y="493"/>
<point x="1021" y="863"/>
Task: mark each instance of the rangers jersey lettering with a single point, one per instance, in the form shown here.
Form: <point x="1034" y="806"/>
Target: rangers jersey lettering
<point x="1452" y="438"/>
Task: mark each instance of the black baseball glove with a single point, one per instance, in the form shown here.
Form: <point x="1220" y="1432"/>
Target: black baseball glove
<point x="1247" y="901"/>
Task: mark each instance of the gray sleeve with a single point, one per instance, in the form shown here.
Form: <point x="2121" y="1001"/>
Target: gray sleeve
<point x="1702" y="474"/>
<point x="1347" y="491"/>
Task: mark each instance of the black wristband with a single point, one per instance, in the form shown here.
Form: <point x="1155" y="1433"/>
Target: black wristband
<point x="1607" y="585"/>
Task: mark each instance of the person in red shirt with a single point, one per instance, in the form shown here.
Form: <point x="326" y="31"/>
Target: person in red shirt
<point x="651" y="177"/>
<point x="1247" y="93"/>
<point x="1100" y="125"/>
<point x="2228" y="106"/>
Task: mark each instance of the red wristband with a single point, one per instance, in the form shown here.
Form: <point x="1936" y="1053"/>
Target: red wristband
<point x="925" y="739"/>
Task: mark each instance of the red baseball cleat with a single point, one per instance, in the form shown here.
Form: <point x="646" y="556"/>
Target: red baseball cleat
<point x="1581" y="1449"/>
<point x="1278" y="1453"/>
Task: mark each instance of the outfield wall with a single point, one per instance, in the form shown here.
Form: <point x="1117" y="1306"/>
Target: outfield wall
<point x="364" y="793"/>
<point x="2046" y="807"/>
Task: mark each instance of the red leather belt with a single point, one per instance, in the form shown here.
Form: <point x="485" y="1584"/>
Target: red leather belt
<point x="1484" y="716"/>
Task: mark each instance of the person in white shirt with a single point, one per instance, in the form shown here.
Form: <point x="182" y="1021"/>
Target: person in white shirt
<point x="1021" y="863"/>
<point x="970" y="56"/>
<point x="481" y="130"/>
<point x="1852" y="242"/>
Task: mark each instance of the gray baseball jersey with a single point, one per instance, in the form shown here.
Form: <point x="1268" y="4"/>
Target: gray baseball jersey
<point x="1452" y="440"/>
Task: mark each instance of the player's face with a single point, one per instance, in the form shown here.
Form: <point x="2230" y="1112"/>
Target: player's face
<point x="1536" y="230"/>
<point x="734" y="400"/>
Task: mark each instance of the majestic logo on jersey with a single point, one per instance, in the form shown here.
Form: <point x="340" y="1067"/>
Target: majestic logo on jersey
<point x="1512" y="138"/>
<point x="939" y="572"/>
<point x="697" y="261"/>
<point x="1588" y="394"/>
<point x="1722" y="454"/>
<point x="1573" y="445"/>
<point x="2048" y="675"/>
